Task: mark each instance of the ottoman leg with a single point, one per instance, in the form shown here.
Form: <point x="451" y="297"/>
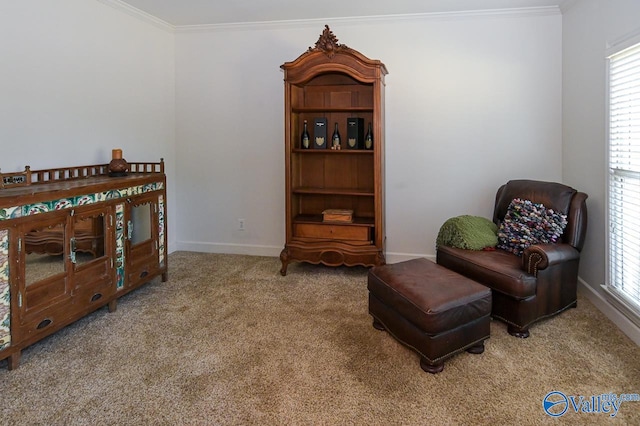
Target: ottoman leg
<point x="429" y="368"/>
<point x="477" y="349"/>
<point x="378" y="325"/>
<point x="436" y="368"/>
<point x="521" y="333"/>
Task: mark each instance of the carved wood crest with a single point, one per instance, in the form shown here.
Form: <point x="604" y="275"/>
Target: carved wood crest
<point x="328" y="43"/>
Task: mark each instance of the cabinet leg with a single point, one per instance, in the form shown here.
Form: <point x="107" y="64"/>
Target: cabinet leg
<point x="165" y="277"/>
<point x="284" y="258"/>
<point x="113" y="305"/>
<point x="14" y="360"/>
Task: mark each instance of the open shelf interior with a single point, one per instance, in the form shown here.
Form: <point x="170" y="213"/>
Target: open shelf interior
<point x="354" y="173"/>
<point x="316" y="219"/>
<point x="333" y="96"/>
<point x="304" y="205"/>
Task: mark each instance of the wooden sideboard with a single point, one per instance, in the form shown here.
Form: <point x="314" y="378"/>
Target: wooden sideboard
<point x="73" y="240"/>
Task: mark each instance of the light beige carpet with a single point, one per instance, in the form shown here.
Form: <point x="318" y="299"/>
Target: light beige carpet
<point x="228" y="341"/>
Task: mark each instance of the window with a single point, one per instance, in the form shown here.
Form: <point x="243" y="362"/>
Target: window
<point x="623" y="278"/>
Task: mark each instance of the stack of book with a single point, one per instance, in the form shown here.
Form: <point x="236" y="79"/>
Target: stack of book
<point x="337" y="215"/>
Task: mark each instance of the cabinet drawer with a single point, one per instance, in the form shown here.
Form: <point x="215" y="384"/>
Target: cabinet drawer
<point x="42" y="323"/>
<point x="332" y="231"/>
<point x="141" y="273"/>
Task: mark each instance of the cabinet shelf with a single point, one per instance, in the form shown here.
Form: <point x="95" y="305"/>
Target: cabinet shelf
<point x="322" y="110"/>
<point x="312" y="151"/>
<point x="333" y="191"/>
<point x="317" y="219"/>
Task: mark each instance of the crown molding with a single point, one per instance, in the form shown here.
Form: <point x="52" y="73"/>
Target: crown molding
<point x="469" y="14"/>
<point x="568" y="4"/>
<point x="624" y="41"/>
<point x="137" y="13"/>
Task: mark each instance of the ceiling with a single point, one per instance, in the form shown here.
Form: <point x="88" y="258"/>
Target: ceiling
<point x="207" y="12"/>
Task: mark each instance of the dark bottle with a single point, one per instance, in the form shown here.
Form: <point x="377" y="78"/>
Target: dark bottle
<point x="335" y="139"/>
<point x="368" y="139"/>
<point x="304" y="139"/>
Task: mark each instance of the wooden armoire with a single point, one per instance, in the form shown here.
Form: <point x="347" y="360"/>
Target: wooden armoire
<point x="335" y="87"/>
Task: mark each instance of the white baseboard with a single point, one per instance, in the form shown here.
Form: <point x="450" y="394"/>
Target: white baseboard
<point x="617" y="317"/>
<point x="172" y="247"/>
<point x="401" y="257"/>
<point x="248" y="249"/>
<point x="274" y="251"/>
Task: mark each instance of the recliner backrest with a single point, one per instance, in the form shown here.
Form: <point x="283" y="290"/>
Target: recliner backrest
<point x="556" y="196"/>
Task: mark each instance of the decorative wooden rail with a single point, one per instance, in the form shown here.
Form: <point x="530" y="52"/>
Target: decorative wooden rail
<point x="147" y="167"/>
<point x="67" y="173"/>
<point x="28" y="176"/>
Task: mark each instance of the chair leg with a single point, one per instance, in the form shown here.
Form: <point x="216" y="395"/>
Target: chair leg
<point x="521" y="333"/>
<point x="378" y="325"/>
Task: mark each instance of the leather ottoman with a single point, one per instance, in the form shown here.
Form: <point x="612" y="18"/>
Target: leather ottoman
<point x="430" y="309"/>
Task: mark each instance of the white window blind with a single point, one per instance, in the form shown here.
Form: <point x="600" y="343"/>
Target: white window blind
<point x="623" y="279"/>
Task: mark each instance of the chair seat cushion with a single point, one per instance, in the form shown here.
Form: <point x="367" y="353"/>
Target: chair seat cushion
<point x="498" y="269"/>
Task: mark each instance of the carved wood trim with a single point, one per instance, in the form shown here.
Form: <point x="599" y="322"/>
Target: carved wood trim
<point x="328" y="43"/>
<point x="329" y="56"/>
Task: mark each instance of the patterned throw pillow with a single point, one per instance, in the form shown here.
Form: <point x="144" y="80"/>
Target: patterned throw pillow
<point x="529" y="223"/>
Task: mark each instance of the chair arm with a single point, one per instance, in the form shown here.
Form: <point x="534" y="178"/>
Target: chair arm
<point x="540" y="256"/>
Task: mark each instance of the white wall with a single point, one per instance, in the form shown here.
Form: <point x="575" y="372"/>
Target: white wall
<point x="79" y="78"/>
<point x="589" y="27"/>
<point x="471" y="102"/>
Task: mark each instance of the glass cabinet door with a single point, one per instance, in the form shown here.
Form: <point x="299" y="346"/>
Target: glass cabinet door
<point x="88" y="240"/>
<point x="142" y="238"/>
<point x="91" y="248"/>
<point x="44" y="247"/>
<point x="141" y="222"/>
<point x="44" y="258"/>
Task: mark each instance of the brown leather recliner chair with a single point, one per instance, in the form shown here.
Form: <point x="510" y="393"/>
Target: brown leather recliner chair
<point x="543" y="281"/>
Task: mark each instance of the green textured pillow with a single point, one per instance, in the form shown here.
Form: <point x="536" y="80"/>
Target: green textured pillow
<point x="468" y="232"/>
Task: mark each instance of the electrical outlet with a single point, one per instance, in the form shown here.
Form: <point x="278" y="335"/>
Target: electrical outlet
<point x="240" y="224"/>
